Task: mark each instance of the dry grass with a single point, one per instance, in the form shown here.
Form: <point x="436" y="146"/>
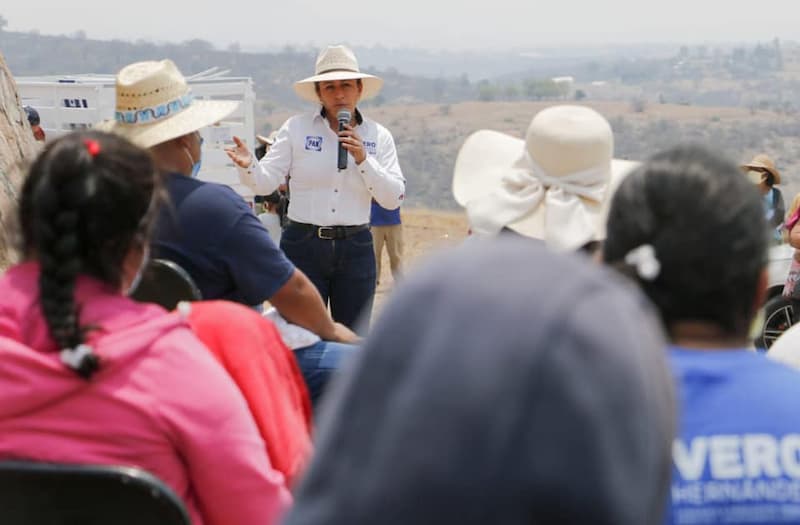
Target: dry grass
<point x="424" y="232"/>
<point x="514" y="117"/>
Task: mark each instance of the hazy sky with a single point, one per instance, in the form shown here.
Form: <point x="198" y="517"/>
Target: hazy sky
<point x="436" y="24"/>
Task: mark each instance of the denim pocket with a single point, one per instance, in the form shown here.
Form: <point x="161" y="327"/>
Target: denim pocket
<point x="362" y="239"/>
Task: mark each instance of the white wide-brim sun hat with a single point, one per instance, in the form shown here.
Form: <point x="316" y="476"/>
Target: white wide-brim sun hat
<point x="154" y="105"/>
<point x="337" y="63"/>
<point x="555" y="185"/>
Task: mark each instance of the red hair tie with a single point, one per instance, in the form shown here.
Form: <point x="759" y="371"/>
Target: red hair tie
<point x="92" y="146"/>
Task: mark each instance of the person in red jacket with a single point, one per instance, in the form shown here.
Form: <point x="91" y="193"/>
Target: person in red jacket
<point x="265" y="370"/>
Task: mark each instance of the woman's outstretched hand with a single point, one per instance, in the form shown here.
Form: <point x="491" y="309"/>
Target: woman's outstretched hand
<point x="239" y="154"/>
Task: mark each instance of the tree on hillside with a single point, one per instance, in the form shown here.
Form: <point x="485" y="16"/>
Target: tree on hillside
<point x="538" y="89"/>
<point x="486" y="91"/>
<point x="511" y="92"/>
<point x="199" y="45"/>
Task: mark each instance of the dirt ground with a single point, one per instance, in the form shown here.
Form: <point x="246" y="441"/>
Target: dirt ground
<point x="424" y="232"/>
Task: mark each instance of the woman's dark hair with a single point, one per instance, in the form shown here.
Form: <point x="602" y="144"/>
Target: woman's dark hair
<point x="705" y="222"/>
<point x="88" y="199"/>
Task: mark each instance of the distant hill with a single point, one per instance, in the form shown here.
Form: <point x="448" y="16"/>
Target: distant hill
<point x="742" y="99"/>
<point x="428" y="136"/>
<point x="273" y="74"/>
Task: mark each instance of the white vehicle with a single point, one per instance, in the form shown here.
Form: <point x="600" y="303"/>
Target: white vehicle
<point x="69" y="102"/>
<point x="780" y="259"/>
<point x="778" y="312"/>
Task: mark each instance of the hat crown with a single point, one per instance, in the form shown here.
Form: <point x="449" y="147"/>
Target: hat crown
<point x="764" y="160"/>
<point x="569" y="139"/>
<point x="149" y="84"/>
<point x="336" y="58"/>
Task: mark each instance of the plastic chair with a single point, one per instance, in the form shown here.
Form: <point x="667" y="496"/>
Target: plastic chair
<point x="166" y="283"/>
<point x="61" y="494"/>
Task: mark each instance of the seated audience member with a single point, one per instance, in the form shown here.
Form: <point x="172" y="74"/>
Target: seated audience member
<point x="691" y="231"/>
<point x="496" y="408"/>
<point x="209" y="230"/>
<point x="552" y="186"/>
<point x="270" y="215"/>
<point x="253" y="352"/>
<point x="90" y="376"/>
<point x="265" y="370"/>
<point x="278" y="198"/>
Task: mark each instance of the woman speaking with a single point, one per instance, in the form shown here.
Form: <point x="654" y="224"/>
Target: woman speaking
<point x="336" y="161"/>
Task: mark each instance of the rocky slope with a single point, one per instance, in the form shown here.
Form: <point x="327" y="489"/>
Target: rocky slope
<point x="17" y="147"/>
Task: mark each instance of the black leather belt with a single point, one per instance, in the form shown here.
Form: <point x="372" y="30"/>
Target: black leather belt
<point x="331" y="233"/>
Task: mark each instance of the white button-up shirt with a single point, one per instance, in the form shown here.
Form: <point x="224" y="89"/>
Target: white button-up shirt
<point x="306" y="150"/>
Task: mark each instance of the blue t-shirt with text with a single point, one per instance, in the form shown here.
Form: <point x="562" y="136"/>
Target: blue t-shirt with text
<point x="736" y="458"/>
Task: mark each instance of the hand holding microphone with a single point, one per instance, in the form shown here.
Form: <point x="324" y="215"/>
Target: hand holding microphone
<point x="349" y="141"/>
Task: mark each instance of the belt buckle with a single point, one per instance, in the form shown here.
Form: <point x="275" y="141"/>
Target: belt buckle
<point x="330" y="230"/>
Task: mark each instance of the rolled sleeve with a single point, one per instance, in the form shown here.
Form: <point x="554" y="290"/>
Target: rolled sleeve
<point x="382" y="175"/>
<point x="258" y="267"/>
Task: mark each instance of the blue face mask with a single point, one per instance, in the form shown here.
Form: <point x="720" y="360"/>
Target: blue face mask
<point x="196" y="165"/>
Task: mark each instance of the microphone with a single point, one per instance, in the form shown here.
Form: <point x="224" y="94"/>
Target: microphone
<point x="343" y="116"/>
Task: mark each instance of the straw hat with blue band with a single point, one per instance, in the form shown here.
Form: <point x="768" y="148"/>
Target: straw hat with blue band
<point x="154" y="104"/>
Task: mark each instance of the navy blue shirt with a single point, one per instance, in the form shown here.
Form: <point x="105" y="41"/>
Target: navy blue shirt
<point x="211" y="232"/>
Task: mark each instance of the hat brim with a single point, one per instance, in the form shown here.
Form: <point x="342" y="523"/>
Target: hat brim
<point x="200" y="114"/>
<point x="305" y="88"/>
<point x="265" y="140"/>
<point x="484" y="159"/>
<point x="775" y="173"/>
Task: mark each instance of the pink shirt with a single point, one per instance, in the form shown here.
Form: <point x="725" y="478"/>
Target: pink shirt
<point x="160" y="401"/>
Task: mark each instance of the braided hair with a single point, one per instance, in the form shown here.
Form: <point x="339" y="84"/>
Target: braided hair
<point x="691" y="230"/>
<point x="89" y="198"/>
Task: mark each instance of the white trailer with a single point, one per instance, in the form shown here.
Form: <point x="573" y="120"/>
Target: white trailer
<point x="70" y="102"/>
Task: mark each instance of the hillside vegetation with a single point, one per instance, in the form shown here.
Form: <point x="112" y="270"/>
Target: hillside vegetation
<point x="740" y="99"/>
<point x="428" y="136"/>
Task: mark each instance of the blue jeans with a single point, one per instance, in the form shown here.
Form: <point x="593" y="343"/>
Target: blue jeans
<point x="343" y="271"/>
<point x="319" y="362"/>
